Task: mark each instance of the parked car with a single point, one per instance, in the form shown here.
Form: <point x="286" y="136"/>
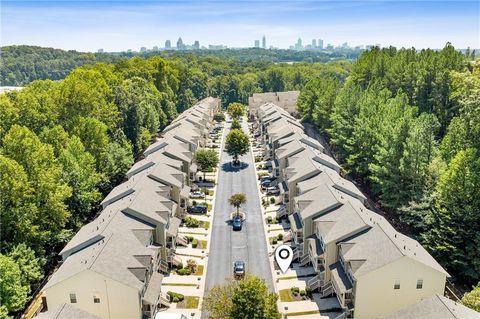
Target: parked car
<point x="266" y="184"/>
<point x="237" y="223"/>
<point x="197" y="209"/>
<point x="273" y="191"/>
<point x="239" y="269"/>
<point x="197" y="195"/>
<point x="262" y="178"/>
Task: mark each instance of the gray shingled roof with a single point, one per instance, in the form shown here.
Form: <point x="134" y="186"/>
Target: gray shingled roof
<point x="66" y="311"/>
<point x="435" y="307"/>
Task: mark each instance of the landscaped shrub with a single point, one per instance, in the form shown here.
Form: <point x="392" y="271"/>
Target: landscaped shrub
<point x="179" y="266"/>
<point x="175" y="297"/>
<point x="269" y="219"/>
<point x="295" y="291"/>
<point x="190" y="239"/>
<point x="258" y="158"/>
<point x="194" y="243"/>
<point x="184" y="272"/>
<point x="194" y="202"/>
<point x="280" y="236"/>
<point x="272" y="200"/>
<point x="302" y="293"/>
<point x="192" y="265"/>
<point x="274" y="241"/>
<point x="192" y="222"/>
<point x="262" y="174"/>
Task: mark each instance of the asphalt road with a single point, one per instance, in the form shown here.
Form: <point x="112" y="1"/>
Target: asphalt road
<point x="227" y="245"/>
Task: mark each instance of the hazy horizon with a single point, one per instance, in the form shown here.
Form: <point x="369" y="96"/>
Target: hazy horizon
<point x="120" y="25"/>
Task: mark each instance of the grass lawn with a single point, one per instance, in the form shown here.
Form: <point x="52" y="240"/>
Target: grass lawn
<point x="209" y="207"/>
<point x="285" y="295"/>
<point x="190" y="302"/>
<point x="206" y="224"/>
<point x="184" y="285"/>
<point x="199" y="271"/>
<point x="202" y="244"/>
<point x="211" y="192"/>
<point x="311" y="312"/>
<point x="295" y="277"/>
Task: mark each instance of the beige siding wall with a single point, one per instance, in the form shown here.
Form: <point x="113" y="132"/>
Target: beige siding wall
<point x="375" y="296"/>
<point x="122" y="302"/>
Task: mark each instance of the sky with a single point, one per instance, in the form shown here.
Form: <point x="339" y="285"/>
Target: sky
<point x="120" y="25"/>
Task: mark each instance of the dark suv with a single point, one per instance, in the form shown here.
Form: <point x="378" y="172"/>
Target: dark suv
<point x="197" y="209"/>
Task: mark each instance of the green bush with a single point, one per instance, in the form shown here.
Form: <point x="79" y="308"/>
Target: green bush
<point x="179" y="266"/>
<point x="308" y="291"/>
<point x="175" y="297"/>
<point x="194" y="243"/>
<point x="272" y="200"/>
<point x="295" y="291"/>
<point x="269" y="219"/>
<point x="190" y="238"/>
<point x="302" y="293"/>
<point x="274" y="241"/>
<point x="261" y="174"/>
<point x="280" y="236"/>
<point x="192" y="222"/>
<point x="194" y="202"/>
<point x="184" y="272"/>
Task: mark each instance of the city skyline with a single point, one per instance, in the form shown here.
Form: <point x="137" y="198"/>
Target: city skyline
<point x="122" y="25"/>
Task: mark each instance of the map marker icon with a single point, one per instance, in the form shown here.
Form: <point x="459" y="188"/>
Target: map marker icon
<point x="284" y="256"/>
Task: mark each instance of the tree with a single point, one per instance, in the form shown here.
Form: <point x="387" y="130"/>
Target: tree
<point x="206" y="159"/>
<point x="45" y="178"/>
<point x="30" y="266"/>
<point x="472" y="298"/>
<point x="237" y="200"/>
<point x="248" y="298"/>
<point x="218" y="300"/>
<point x="237" y="143"/>
<point x="236" y="110"/>
<point x="18" y="210"/>
<point x="219" y="117"/>
<point x="13" y="292"/>
<point x="81" y="175"/>
<point x="236" y="125"/>
<point x="453" y="237"/>
<point x="252" y="299"/>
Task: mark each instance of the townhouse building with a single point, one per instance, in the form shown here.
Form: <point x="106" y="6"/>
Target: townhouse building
<point x="114" y="266"/>
<point x="372" y="269"/>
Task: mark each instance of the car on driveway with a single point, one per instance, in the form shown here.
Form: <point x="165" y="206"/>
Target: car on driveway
<point x="237" y="223"/>
<point x="197" y="209"/>
<point x="273" y="191"/>
<point x="266" y="184"/>
<point x="197" y="195"/>
<point x="239" y="269"/>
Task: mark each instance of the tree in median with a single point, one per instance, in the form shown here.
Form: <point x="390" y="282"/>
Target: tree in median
<point x="237" y="200"/>
<point x="236" y="125"/>
<point x="206" y="159"/>
<point x="219" y="117"/>
<point x="236" y="110"/>
<point x="248" y="298"/>
<point x="237" y="143"/>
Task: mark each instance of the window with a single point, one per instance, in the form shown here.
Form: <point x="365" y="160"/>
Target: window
<point x="73" y="297"/>
<point x="96" y="298"/>
<point x="396" y="285"/>
<point x="419" y="283"/>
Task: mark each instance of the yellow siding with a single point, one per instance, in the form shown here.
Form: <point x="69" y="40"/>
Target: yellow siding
<point x="376" y="298"/>
<point x="121" y="302"/>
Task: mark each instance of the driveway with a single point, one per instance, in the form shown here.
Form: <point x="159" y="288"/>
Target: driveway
<point x="249" y="244"/>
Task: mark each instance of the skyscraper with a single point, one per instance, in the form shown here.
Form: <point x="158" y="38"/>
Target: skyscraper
<point x="196" y="45"/>
<point x="257" y="43"/>
<point x="298" y="45"/>
<point x="180" y="45"/>
<point x="264" y="42"/>
<point x="314" y="43"/>
<point x="320" y="43"/>
<point x="168" y="45"/>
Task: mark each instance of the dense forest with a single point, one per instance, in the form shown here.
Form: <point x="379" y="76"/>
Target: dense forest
<point x="64" y="144"/>
<point x="406" y="124"/>
<point x="23" y="64"/>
